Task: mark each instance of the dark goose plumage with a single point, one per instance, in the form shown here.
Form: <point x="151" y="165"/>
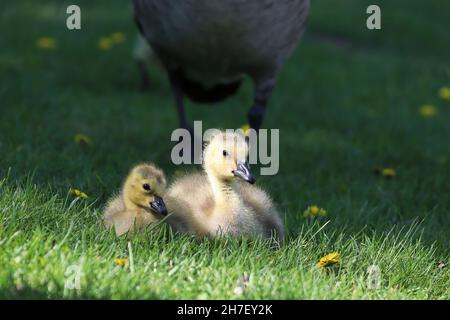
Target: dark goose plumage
<point x="207" y="45"/>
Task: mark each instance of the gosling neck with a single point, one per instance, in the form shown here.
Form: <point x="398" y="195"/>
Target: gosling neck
<point x="224" y="191"/>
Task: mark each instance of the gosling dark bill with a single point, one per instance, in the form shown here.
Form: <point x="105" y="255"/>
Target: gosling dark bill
<point x="243" y="172"/>
<point x="159" y="206"/>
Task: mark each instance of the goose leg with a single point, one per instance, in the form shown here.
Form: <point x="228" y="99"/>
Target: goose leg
<point x="263" y="91"/>
<point x="179" y="97"/>
<point x="179" y="101"/>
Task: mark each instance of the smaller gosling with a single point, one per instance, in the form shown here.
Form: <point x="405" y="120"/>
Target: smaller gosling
<point x="223" y="200"/>
<point x="139" y="204"/>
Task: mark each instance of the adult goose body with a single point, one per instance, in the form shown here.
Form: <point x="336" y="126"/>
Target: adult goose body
<point x="207" y="46"/>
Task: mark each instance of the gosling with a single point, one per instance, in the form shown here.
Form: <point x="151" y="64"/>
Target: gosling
<point x="222" y="201"/>
<point x="139" y="204"/>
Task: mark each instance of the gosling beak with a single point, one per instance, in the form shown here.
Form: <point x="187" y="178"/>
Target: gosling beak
<point x="243" y="172"/>
<point x="159" y="206"/>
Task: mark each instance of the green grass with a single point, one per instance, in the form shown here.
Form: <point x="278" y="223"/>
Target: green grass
<point x="346" y="102"/>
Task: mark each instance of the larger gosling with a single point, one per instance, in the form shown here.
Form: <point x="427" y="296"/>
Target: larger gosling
<point x="139" y="204"/>
<point x="221" y="200"/>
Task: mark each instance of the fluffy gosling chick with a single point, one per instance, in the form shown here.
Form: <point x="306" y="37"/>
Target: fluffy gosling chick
<point x="221" y="200"/>
<point x="139" y="203"/>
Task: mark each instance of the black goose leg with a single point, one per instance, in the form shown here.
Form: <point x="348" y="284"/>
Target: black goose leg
<point x="263" y="91"/>
<point x="179" y="97"/>
<point x="179" y="101"/>
<point x="256" y="115"/>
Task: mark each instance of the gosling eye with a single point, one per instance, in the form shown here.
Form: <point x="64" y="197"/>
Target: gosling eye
<point x="146" y="186"/>
<point x="225" y="153"/>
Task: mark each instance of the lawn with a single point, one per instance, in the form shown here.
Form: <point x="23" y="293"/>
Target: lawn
<point x="347" y="102"/>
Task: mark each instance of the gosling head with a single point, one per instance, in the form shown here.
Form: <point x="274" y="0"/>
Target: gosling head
<point x="225" y="157"/>
<point x="144" y="187"/>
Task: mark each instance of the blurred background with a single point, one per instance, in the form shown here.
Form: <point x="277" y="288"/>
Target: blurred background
<point x="363" y="115"/>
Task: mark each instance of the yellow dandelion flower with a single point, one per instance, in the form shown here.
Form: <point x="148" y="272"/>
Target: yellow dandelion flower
<point x="444" y="93"/>
<point x="104" y="43"/>
<point x="121" y="262"/>
<point x="79" y="194"/>
<point x="388" y="172"/>
<point x="246" y="129"/>
<point x="82" y="139"/>
<point x="314" y="211"/>
<point x="46" y="43"/>
<point x="117" y="37"/>
<point x="329" y="260"/>
<point x="428" y="111"/>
